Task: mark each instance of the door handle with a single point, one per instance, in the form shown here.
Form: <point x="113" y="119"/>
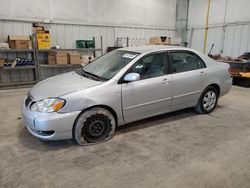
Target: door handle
<point x="165" y="80"/>
<point x="202" y="73"/>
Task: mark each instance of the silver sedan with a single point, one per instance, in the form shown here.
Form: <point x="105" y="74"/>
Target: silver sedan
<point x="120" y="87"/>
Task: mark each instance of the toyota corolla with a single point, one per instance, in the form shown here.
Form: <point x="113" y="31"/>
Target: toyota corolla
<point x="123" y="86"/>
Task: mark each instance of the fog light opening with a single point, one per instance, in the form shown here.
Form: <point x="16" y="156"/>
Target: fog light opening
<point x="46" y="133"/>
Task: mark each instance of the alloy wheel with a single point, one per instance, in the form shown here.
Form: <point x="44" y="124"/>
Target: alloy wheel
<point x="209" y="100"/>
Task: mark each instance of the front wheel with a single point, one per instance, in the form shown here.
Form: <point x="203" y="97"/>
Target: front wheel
<point x="93" y="126"/>
<point x="207" y="101"/>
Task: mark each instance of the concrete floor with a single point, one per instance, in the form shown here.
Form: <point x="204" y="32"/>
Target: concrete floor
<point x="181" y="149"/>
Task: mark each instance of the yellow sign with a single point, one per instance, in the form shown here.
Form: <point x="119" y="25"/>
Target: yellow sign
<point x="43" y="40"/>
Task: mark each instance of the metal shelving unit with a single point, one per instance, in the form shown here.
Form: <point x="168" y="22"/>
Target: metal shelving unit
<point x="16" y="50"/>
<point x="19" y="68"/>
<point x="17" y="84"/>
<point x="71" y="50"/>
<point x="16" y="76"/>
<point x="45" y="70"/>
<point x="61" y="66"/>
<point x="19" y="75"/>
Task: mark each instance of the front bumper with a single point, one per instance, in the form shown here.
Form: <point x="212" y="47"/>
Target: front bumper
<point x="57" y="126"/>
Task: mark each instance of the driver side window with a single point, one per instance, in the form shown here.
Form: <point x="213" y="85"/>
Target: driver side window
<point x="150" y="66"/>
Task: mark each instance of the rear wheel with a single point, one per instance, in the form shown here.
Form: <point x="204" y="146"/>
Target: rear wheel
<point x="208" y="101"/>
<point x="94" y="126"/>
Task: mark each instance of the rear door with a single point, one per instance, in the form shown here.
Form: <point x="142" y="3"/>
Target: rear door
<point x="151" y="95"/>
<point x="188" y="75"/>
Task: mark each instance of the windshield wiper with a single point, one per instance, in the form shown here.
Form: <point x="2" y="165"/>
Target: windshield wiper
<point x="80" y="72"/>
<point x="94" y="76"/>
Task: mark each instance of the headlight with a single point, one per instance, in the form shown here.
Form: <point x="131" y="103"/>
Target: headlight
<point x="48" y="105"/>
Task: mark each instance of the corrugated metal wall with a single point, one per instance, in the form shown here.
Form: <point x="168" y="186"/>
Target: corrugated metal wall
<point x="235" y="43"/>
<point x="65" y="35"/>
<point x="237" y="40"/>
<point x="229" y="26"/>
<point x="181" y="19"/>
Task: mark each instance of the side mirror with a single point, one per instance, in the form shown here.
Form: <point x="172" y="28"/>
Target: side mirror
<point x="131" y="77"/>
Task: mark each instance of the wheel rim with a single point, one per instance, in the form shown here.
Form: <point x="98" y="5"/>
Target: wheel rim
<point x="209" y="100"/>
<point x="96" y="128"/>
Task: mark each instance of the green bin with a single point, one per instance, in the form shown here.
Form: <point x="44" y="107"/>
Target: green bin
<point x="85" y="44"/>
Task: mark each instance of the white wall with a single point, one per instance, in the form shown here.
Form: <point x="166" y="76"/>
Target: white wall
<point x="160" y="13"/>
<point x="222" y="12"/>
<point x="83" y="19"/>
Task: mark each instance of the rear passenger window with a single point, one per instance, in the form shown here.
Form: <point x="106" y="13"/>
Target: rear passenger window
<point x="185" y="61"/>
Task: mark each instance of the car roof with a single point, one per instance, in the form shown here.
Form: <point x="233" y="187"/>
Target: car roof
<point x="152" y="48"/>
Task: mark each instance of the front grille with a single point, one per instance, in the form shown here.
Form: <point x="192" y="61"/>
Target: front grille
<point x="28" y="100"/>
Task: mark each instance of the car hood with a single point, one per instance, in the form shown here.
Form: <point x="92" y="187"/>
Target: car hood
<point x="60" y="85"/>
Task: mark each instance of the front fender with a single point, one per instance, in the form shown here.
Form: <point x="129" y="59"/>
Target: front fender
<point x="109" y="95"/>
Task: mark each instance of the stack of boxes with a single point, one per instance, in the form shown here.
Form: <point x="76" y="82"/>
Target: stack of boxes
<point x="163" y="40"/>
<point x="42" y="36"/>
<point x="63" y="58"/>
<point x="160" y="40"/>
<point x="43" y="40"/>
<point x="57" y="58"/>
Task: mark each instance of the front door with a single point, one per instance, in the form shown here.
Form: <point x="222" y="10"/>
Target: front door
<point x="151" y="95"/>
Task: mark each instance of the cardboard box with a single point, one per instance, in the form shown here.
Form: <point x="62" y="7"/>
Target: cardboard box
<point x="43" y="40"/>
<point x="61" y="58"/>
<point x="57" y="58"/>
<point x="18" y="41"/>
<point x="160" y="40"/>
<point x="74" y="58"/>
<point x="2" y="62"/>
<point x="37" y="29"/>
<point x="51" y="58"/>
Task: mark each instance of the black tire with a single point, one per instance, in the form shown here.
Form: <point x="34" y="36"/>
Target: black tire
<point x="208" y="101"/>
<point x="94" y="126"/>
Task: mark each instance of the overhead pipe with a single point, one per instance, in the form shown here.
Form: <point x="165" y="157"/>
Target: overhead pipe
<point x="186" y="30"/>
<point x="206" y="27"/>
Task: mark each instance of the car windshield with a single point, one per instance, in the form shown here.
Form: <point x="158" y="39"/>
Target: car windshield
<point x="110" y="64"/>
